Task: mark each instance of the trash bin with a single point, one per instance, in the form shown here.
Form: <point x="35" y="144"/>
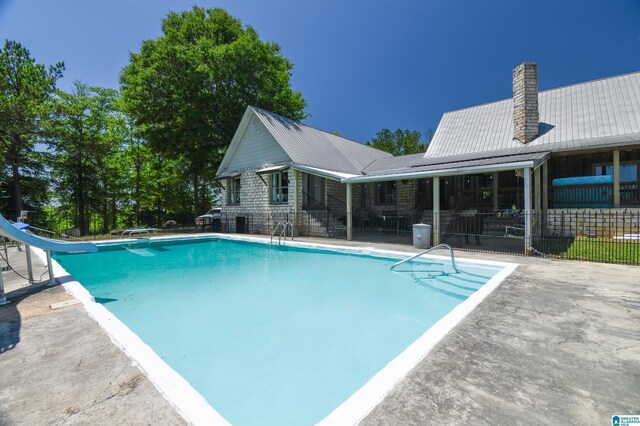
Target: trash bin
<point x="421" y="236"/>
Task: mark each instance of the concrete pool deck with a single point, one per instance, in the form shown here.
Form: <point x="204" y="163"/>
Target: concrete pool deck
<point x="59" y="367"/>
<point x="557" y="340"/>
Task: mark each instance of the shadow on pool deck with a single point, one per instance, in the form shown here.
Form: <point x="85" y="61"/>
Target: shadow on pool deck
<point x="11" y="319"/>
<point x="9" y="327"/>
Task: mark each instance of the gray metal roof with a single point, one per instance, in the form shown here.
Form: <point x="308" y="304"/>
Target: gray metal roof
<point x="469" y="166"/>
<point x="315" y="148"/>
<point x="596" y="114"/>
<point x="574" y="117"/>
<point x="416" y="165"/>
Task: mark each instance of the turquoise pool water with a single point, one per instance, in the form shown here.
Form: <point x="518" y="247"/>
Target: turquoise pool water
<point x="272" y="335"/>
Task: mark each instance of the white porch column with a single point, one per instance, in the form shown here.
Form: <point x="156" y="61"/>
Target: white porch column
<point x="436" y="210"/>
<point x="527" y="210"/>
<point x="616" y="178"/>
<point x="537" y="199"/>
<point x="349" y="211"/>
<point x="496" y="204"/>
<point x="296" y="200"/>
<point x="545" y="186"/>
<point x="545" y="196"/>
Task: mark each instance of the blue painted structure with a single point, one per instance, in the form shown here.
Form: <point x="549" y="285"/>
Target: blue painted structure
<point x="583" y="192"/>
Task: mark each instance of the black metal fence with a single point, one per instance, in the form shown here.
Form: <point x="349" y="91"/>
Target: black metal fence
<point x="605" y="235"/>
<point x="610" y="236"/>
<point x="599" y="236"/>
<point x="64" y="225"/>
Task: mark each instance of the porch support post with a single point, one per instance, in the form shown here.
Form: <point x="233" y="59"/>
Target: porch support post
<point x="545" y="196"/>
<point x="537" y="199"/>
<point x="296" y="193"/>
<point x="496" y="204"/>
<point x="436" y="210"/>
<point x="545" y="186"/>
<point x="349" y="211"/>
<point x="616" y="178"/>
<point x="527" y="210"/>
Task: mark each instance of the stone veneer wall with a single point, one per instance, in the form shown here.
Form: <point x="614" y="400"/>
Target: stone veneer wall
<point x="254" y="200"/>
<point x="254" y="204"/>
<point x="601" y="223"/>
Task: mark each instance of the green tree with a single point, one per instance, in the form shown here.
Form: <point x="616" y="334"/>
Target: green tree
<point x="398" y="142"/>
<point x="25" y="87"/>
<point x="82" y="139"/>
<point x="188" y="89"/>
<point x="157" y="186"/>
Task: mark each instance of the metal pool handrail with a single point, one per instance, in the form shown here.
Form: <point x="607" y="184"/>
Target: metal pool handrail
<point x="276" y="230"/>
<point x="284" y="225"/>
<point x="453" y="260"/>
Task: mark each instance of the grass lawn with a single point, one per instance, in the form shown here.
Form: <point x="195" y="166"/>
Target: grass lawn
<point x="604" y="250"/>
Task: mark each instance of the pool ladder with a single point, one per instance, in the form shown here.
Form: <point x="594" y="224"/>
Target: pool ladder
<point x="447" y="246"/>
<point x="283" y="232"/>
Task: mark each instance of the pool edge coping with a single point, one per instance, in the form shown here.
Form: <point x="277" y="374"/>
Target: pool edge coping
<point x="195" y="409"/>
<point x="180" y="394"/>
<point x="359" y="404"/>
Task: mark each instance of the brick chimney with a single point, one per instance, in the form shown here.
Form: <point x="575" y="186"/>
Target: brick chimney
<point x="525" y="102"/>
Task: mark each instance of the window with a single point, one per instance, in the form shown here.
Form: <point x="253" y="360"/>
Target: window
<point x="385" y="193"/>
<point x="233" y="191"/>
<point x="279" y="188"/>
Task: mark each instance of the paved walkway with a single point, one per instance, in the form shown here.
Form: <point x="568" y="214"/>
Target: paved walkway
<point x="59" y="367"/>
<point x="557" y="342"/>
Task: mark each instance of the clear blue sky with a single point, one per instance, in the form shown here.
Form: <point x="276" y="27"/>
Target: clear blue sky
<point x="362" y="65"/>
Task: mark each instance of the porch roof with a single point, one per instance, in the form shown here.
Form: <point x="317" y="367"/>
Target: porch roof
<point x="451" y="166"/>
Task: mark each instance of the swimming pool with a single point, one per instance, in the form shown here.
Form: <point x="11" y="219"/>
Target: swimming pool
<point x="273" y="334"/>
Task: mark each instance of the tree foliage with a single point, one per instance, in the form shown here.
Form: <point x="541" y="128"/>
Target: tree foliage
<point x="151" y="154"/>
<point x="84" y="137"/>
<point x="187" y="90"/>
<point x="25" y="87"/>
<point x="398" y="142"/>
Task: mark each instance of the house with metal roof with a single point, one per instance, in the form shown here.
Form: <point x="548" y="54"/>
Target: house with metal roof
<point x="489" y="168"/>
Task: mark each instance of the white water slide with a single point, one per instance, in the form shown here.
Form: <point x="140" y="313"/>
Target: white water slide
<point x="7" y="230"/>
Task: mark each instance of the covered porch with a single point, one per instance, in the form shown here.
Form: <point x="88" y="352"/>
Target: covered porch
<point x="479" y="204"/>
